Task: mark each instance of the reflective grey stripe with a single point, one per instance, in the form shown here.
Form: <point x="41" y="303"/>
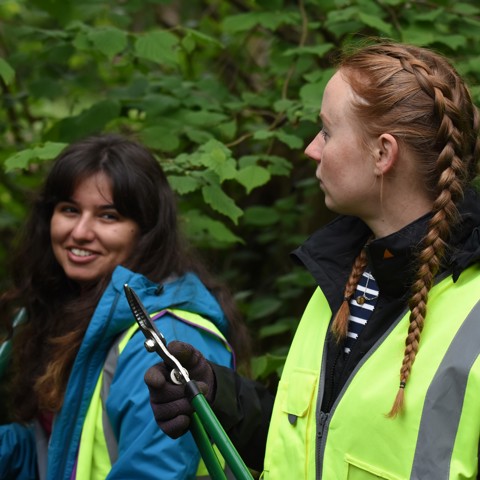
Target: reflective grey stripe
<point x="41" y="442"/>
<point x="109" y="368"/>
<point x="444" y="403"/>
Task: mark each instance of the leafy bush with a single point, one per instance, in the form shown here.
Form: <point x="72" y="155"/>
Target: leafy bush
<point x="226" y="94"/>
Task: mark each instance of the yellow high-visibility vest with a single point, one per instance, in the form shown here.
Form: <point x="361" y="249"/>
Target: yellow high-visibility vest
<point x="98" y="446"/>
<point x="437" y="435"/>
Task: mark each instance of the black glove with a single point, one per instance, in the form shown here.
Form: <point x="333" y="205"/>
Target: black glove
<point x="170" y="406"/>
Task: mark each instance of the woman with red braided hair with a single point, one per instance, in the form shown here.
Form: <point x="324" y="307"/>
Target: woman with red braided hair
<point x="383" y="375"/>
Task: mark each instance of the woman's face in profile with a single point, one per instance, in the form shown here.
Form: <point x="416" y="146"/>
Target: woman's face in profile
<point x="89" y="237"/>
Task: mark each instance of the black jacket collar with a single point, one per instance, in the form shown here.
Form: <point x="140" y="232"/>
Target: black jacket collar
<point x="329" y="253"/>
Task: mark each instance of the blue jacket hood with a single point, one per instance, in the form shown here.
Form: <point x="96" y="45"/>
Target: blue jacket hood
<point x="186" y="292"/>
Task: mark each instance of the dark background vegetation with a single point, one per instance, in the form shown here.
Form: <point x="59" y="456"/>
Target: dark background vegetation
<point x="227" y="95"/>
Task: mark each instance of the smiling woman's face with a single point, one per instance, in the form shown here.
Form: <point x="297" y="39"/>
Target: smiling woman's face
<point x="89" y="237"/>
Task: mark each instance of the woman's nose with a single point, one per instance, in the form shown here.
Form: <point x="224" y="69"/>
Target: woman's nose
<point x="83" y="230"/>
<point x="314" y="149"/>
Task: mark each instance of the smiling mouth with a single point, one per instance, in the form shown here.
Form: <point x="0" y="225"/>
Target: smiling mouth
<point x="80" y="252"/>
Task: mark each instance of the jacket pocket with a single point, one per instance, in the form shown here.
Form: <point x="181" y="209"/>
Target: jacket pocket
<point x="291" y="438"/>
<point x="358" y="470"/>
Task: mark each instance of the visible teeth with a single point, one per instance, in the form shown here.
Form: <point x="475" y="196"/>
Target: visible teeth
<point x="80" y="253"/>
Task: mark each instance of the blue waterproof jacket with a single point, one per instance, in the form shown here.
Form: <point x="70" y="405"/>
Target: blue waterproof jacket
<point x="144" y="451"/>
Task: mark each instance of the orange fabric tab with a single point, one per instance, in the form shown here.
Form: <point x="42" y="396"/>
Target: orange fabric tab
<point x="387" y="253"/>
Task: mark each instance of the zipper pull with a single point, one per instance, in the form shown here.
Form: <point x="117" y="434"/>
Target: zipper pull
<point x="321" y="424"/>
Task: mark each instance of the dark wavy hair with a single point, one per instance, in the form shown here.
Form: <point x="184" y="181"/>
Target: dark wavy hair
<point x="45" y="348"/>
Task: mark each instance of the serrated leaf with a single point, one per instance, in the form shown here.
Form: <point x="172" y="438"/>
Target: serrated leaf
<point x="375" y="22"/>
<point x="184" y="185"/>
<point x="158" y="46"/>
<point x="312" y="93"/>
<point x="218" y="158"/>
<point x="252" y="177"/>
<point x="160" y="138"/>
<point x="198" y="226"/>
<point x="217" y="161"/>
<point x="292" y="141"/>
<point x="21" y="160"/>
<point x="220" y="202"/>
<point x="110" y="41"/>
<point x="6" y="71"/>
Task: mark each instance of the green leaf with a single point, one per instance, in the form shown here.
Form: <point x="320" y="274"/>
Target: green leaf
<point x="157" y="46"/>
<point x="375" y="22"/>
<point x="220" y="202"/>
<point x="203" y="118"/>
<point x="417" y="36"/>
<point x="21" y="160"/>
<point x="263" y="134"/>
<point x="252" y="177"/>
<point x="453" y="41"/>
<point x="292" y="141"/>
<point x="317" y="50"/>
<point x="312" y="94"/>
<point x="203" y="38"/>
<point x="270" y="20"/>
<point x="89" y="121"/>
<point x="277" y="328"/>
<point x="465" y="8"/>
<point x="218" y="158"/>
<point x="184" y="185"/>
<point x="160" y="138"/>
<point x="259" y="216"/>
<point x="110" y="41"/>
<point x="265" y="365"/>
<point x="263" y="306"/>
<point x="199" y="227"/>
<point x="6" y="71"/>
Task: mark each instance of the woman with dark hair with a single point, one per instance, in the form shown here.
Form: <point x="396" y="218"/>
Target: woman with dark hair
<point x="105" y="217"/>
<point x="383" y="375"/>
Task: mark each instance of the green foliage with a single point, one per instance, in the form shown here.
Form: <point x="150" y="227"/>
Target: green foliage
<point x="226" y="94"/>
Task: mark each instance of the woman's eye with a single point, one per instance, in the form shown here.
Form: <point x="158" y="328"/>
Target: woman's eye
<point x="65" y="208"/>
<point x="112" y="216"/>
<point x="324" y="133"/>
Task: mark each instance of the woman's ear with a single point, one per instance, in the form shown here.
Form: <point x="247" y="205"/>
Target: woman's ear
<point x="386" y="153"/>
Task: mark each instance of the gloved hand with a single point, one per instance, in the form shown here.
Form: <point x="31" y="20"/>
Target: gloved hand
<point x="170" y="406"/>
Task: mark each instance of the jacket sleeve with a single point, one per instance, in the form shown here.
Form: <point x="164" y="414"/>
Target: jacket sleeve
<point x="244" y="408"/>
<point x="18" y="457"/>
<point x="144" y="451"/>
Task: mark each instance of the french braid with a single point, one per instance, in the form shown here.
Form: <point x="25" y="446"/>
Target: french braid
<point x="340" y="322"/>
<point x="418" y="97"/>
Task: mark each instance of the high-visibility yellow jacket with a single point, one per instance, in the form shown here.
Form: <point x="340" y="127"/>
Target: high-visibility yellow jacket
<point x="435" y="438"/>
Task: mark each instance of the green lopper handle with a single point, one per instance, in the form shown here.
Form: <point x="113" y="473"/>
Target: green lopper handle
<point x="214" y="428"/>
<point x="206" y="450"/>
